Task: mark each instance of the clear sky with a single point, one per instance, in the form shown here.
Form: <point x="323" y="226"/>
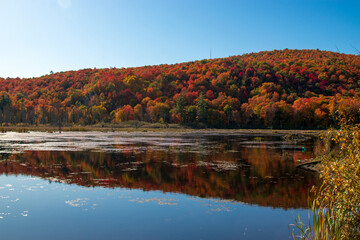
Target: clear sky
<point x="37" y="36"/>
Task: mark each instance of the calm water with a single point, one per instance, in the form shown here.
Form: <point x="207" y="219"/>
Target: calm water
<point x="151" y="186"/>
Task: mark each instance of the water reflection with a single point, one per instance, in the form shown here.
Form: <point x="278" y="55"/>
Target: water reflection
<point x="239" y="168"/>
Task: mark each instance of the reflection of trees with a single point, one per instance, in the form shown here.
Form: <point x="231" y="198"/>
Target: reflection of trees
<point x="267" y="181"/>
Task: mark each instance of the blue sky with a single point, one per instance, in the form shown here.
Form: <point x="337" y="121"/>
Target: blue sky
<point x="38" y="36"/>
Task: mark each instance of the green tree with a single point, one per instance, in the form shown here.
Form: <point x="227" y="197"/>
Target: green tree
<point x="191" y="113"/>
<point x="228" y="112"/>
<point x="4" y="100"/>
<point x="202" y="108"/>
<point x="5" y="107"/>
<point x="180" y="107"/>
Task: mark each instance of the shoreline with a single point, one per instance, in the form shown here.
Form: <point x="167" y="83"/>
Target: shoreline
<point x="156" y="128"/>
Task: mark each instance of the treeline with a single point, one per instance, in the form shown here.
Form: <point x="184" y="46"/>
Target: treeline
<point x="278" y="89"/>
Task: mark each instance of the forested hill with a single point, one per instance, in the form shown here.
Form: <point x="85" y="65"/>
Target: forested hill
<point x="279" y="89"/>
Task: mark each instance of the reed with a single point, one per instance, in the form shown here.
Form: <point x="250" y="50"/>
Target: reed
<point x="336" y="207"/>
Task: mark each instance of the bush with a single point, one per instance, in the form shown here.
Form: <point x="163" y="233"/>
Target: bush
<point x="336" y="207"/>
<point x="340" y="174"/>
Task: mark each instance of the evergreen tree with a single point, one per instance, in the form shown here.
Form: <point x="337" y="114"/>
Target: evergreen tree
<point x="180" y="107"/>
<point x="202" y="108"/>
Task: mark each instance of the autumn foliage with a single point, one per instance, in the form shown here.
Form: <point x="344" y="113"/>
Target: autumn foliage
<point x="278" y="89"/>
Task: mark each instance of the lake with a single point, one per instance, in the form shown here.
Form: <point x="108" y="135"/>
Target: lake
<point x="142" y="185"/>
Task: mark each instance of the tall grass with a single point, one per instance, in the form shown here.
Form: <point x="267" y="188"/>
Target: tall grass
<point x="323" y="225"/>
<point x="336" y="207"/>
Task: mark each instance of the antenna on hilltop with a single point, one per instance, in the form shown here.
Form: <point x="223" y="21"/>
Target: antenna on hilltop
<point x="337" y="49"/>
<point x="210" y="53"/>
<point x="357" y="50"/>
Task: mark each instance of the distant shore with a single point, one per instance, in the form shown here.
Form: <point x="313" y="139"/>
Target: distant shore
<point x="151" y="127"/>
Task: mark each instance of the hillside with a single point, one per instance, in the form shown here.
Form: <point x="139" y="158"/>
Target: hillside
<point x="278" y="89"/>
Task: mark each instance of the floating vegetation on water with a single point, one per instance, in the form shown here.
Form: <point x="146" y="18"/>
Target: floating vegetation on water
<point x="160" y="201"/>
<point x="222" y="165"/>
<point x="77" y="202"/>
<point x="296" y="137"/>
